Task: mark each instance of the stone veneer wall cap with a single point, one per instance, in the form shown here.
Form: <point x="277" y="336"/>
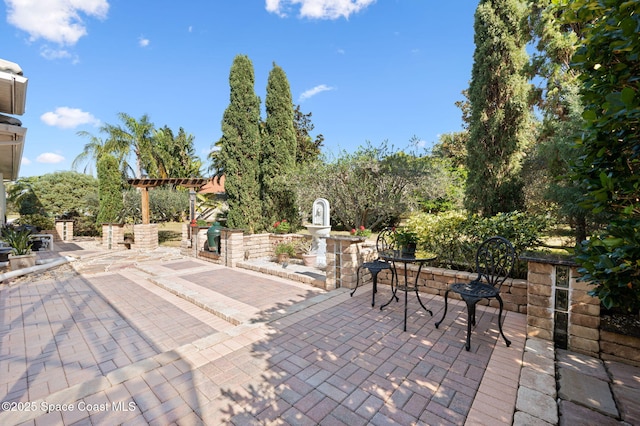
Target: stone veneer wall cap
<point x="552" y="259"/>
<point x="344" y="238"/>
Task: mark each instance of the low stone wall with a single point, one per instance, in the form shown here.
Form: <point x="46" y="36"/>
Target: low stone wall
<point x="257" y="246"/>
<point x="618" y="347"/>
<point x="436" y="281"/>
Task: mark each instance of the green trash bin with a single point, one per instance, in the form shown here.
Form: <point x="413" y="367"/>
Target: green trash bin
<point x="213" y="237"/>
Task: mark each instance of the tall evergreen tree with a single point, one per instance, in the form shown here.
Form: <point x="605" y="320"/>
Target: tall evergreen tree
<point x="307" y="149"/>
<point x="240" y="147"/>
<point x="278" y="150"/>
<point x="109" y="190"/>
<point x="500" y="110"/>
<point x="548" y="165"/>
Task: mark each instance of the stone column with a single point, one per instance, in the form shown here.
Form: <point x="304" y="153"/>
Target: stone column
<point x="232" y="246"/>
<point x="112" y="234"/>
<point x="343" y="259"/>
<point x="64" y="230"/>
<point x="559" y="308"/>
<point x="145" y="236"/>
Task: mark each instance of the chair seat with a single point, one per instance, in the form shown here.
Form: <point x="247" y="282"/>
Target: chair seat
<point x="474" y="290"/>
<point x="376" y="266"/>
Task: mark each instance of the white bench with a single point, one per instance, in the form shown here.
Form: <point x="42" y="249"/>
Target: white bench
<point x="47" y="240"/>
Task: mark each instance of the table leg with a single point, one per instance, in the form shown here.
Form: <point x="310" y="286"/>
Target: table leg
<point x="375" y="289"/>
<point x="418" y="293"/>
<point x="393" y="290"/>
<point x="406" y="291"/>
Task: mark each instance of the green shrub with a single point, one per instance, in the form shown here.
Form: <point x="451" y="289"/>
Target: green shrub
<point x="611" y="262"/>
<point x="455" y="236"/>
<point x="40" y="221"/>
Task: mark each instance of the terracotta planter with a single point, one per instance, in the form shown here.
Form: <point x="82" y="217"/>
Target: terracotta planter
<point x="309" y="259"/>
<point x="22" y="261"/>
<point x="283" y="258"/>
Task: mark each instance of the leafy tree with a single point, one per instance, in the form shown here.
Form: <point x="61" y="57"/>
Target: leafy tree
<point x="607" y="60"/>
<point x="55" y="194"/>
<point x="372" y="187"/>
<point x="500" y="110"/>
<point x="165" y="205"/>
<point x="307" y="148"/>
<point x="109" y="190"/>
<point x="240" y="149"/>
<point x="452" y="146"/>
<point x="549" y="186"/>
<point x="278" y="150"/>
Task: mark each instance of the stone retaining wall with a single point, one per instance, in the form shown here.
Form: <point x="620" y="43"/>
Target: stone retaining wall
<point x="437" y="280"/>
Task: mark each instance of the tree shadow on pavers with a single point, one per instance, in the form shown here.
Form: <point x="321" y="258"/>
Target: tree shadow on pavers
<point x="347" y="362"/>
<point x="66" y="343"/>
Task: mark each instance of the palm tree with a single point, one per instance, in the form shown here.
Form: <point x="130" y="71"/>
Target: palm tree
<point x="135" y="136"/>
<point x="91" y="152"/>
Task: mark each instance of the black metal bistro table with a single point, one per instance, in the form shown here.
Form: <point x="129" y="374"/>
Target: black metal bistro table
<point x="395" y="257"/>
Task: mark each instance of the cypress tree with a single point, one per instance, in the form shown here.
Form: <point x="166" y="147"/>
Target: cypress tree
<point x="500" y="110"/>
<point x="278" y="150"/>
<point x="109" y="190"/>
<point x="240" y="147"/>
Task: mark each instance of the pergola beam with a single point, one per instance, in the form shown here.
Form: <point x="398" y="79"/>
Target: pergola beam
<point x="146" y="183"/>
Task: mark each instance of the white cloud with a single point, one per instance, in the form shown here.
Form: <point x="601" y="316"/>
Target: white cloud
<point x="49" y="158"/>
<point x="49" y="53"/>
<point x="318" y="9"/>
<point x="143" y="42"/>
<point x="68" y="118"/>
<point x="314" y="91"/>
<point x="57" y="21"/>
<point x="25" y="161"/>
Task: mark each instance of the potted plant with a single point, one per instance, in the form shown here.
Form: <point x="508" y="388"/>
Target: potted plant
<point x="309" y="258"/>
<point x="284" y="250"/>
<point x="406" y="240"/>
<point x="20" y="242"/>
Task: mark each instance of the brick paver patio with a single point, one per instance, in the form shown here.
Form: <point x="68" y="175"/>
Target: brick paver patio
<point x="130" y="346"/>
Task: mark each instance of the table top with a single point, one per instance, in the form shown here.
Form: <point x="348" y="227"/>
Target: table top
<point x="398" y="256"/>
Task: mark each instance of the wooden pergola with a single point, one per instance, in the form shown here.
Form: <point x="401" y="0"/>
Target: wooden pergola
<point x="145" y="184"/>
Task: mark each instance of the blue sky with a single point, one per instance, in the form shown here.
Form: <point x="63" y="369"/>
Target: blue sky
<point x="368" y="70"/>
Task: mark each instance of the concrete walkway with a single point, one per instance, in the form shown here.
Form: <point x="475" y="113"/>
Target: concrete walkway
<point x="157" y="338"/>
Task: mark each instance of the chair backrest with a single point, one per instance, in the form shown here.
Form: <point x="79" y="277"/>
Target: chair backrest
<point x="385" y="240"/>
<point x="495" y="260"/>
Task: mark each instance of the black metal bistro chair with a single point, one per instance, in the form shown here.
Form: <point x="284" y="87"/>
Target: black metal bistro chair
<point x="383" y="242"/>
<point x="494" y="262"/>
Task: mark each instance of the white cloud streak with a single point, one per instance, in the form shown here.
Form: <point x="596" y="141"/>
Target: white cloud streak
<point x="50" y="158"/>
<point x="68" y="118"/>
<point x="318" y="9"/>
<point x="314" y="91"/>
<point x="143" y="42"/>
<point x="58" y="21"/>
